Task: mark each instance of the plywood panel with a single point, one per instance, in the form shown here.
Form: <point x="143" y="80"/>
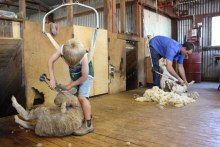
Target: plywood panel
<point x="38" y="49"/>
<point x="16" y="30"/>
<point x="116" y="52"/>
<point x="148" y="66"/>
<point x="141" y="55"/>
<point x="100" y="58"/>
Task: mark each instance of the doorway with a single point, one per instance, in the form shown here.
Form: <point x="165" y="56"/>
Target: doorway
<point x="131" y="65"/>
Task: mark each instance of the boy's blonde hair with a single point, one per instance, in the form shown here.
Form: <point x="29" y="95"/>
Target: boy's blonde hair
<point x="73" y="51"/>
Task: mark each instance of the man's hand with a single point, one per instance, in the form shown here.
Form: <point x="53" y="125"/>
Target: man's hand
<point x="186" y="83"/>
<point x="181" y="81"/>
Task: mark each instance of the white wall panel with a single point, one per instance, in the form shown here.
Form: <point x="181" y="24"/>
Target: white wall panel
<point x="156" y="24"/>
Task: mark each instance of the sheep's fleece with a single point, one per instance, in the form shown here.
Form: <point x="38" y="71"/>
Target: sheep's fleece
<point x="171" y="92"/>
<point x="156" y="94"/>
<point x="63" y="119"/>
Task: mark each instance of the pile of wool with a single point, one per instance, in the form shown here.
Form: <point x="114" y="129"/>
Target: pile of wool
<point x="156" y="94"/>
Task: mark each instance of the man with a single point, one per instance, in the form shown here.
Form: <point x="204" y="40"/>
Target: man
<point x="169" y="49"/>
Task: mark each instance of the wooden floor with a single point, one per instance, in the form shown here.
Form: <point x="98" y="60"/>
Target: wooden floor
<point x="119" y="120"/>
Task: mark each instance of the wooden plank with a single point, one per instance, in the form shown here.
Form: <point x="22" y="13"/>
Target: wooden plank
<point x="110" y="14"/>
<point x="122" y="120"/>
<point x="22" y="9"/>
<point x="11" y="19"/>
<point x="128" y="37"/>
<point x="16" y="30"/>
<point x="122" y="16"/>
<point x="141" y="63"/>
<point x="8" y="141"/>
<point x="114" y="17"/>
<point x="69" y="13"/>
<point x="9" y="41"/>
<point x="36" y="139"/>
<point x="148" y="67"/>
<point x="137" y="19"/>
<point x="59" y="141"/>
<point x="117" y="54"/>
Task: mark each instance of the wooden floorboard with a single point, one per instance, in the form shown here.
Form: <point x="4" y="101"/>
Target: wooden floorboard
<point x="119" y="120"/>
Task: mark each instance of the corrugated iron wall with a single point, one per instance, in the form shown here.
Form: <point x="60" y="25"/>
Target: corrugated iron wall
<point x="205" y="8"/>
<point x="198" y="7"/>
<point x="183" y="29"/>
<point x="89" y="19"/>
<point x="210" y="66"/>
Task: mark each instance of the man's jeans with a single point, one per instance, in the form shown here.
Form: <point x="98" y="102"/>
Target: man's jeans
<point x="155" y="57"/>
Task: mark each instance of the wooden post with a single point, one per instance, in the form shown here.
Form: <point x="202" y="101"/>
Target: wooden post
<point x="137" y="18"/>
<point x="22" y="8"/>
<point x="69" y="10"/>
<point x="122" y="16"/>
<point x="107" y="16"/>
<point x="110" y="15"/>
<point x="114" y="17"/>
<point x="22" y="12"/>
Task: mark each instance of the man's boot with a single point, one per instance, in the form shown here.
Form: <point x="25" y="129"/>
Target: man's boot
<point x="84" y="129"/>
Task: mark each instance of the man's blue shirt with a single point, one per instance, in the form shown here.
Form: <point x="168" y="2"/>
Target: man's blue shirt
<point x="167" y="48"/>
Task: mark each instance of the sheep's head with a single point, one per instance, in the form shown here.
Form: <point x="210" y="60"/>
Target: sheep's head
<point x="66" y="96"/>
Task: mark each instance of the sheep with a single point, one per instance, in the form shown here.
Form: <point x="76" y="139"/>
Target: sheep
<point x="168" y="84"/>
<point x="170" y="93"/>
<point x="61" y="120"/>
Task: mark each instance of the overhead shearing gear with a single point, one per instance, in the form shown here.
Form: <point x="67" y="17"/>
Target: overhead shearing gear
<point x="93" y="42"/>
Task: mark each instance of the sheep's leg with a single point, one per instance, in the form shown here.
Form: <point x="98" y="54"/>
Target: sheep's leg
<point x="63" y="107"/>
<point x="24" y="114"/>
<point x="192" y="82"/>
<point x="24" y="124"/>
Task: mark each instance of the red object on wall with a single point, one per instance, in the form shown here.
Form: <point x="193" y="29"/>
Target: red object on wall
<point x="192" y="67"/>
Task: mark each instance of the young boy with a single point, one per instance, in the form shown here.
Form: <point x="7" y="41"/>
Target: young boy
<point x="81" y="73"/>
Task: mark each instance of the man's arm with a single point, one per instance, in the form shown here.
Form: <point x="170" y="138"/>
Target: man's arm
<point x="172" y="71"/>
<point x="182" y="73"/>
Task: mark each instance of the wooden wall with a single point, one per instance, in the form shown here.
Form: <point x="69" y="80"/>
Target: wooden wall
<point x="141" y="66"/>
<point x="11" y="75"/>
<point x="38" y="49"/>
<point x="116" y="52"/>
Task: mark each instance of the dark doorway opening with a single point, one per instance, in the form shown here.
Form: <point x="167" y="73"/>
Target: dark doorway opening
<point x="131" y="65"/>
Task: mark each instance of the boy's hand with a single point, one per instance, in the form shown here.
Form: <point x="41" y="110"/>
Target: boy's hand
<point x="68" y="87"/>
<point x="52" y="83"/>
